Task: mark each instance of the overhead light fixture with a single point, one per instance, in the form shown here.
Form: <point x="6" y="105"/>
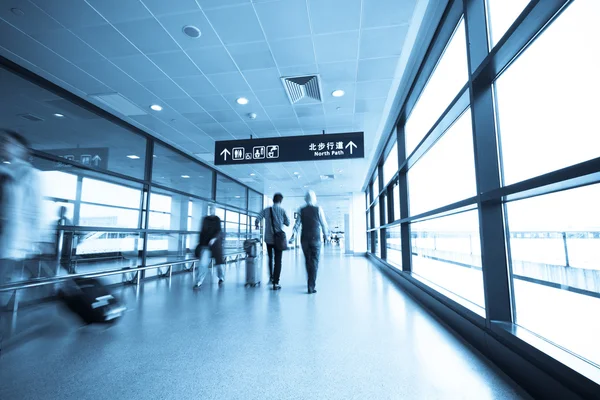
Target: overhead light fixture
<point x="340" y="171"/>
<point x="154" y="156"/>
<point x="252" y="174"/>
<point x="296" y="173"/>
<point x="338" y="93"/>
<point x="6" y="162"/>
<point x="185" y="176"/>
<point x="237" y="197"/>
<point x="58" y="115"/>
<point x="133" y="157"/>
<point x="156" y="107"/>
<point x="242" y="100"/>
<point x="252" y="115"/>
<point x="191" y="31"/>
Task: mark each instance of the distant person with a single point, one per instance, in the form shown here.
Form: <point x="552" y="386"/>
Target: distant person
<point x="210" y="246"/>
<point x="20" y="203"/>
<point x="314" y="225"/>
<point x="64" y="242"/>
<point x="275" y="217"/>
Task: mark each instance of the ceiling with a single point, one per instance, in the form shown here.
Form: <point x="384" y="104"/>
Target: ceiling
<point x="138" y="49"/>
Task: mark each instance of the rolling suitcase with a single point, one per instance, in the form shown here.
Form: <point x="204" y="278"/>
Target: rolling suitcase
<point x="91" y="301"/>
<point x="252" y="264"/>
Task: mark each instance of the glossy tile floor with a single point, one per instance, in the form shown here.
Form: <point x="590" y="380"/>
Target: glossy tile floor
<point x="359" y="337"/>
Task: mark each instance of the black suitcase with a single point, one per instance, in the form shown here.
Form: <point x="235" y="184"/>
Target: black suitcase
<point x="90" y="299"/>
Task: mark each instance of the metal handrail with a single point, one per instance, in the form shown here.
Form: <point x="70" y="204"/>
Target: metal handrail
<point x="53" y="280"/>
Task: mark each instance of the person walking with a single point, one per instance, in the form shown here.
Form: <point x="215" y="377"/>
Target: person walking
<point x="314" y="226"/>
<point x="275" y="217"/>
<point x="210" y="246"/>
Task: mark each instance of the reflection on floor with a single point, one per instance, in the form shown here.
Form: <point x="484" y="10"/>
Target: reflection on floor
<point x="359" y="337"/>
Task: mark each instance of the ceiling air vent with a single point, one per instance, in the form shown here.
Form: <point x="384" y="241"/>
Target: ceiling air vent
<point x="31" y="117"/>
<point x="327" y="177"/>
<point x="303" y="89"/>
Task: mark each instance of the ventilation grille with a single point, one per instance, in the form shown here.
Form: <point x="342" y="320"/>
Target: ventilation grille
<point x="303" y="89"/>
<point x="31" y="117"/>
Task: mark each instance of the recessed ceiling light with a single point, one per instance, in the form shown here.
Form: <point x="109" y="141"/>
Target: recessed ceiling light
<point x="156" y="107"/>
<point x="338" y="93"/>
<point x="58" y="115"/>
<point x="340" y="171"/>
<point x="253" y="174"/>
<point x="133" y="157"/>
<point x="154" y="156"/>
<point x="242" y="100"/>
<point x="296" y="173"/>
<point x="185" y="176"/>
<point x="252" y="115"/>
<point x="237" y="197"/>
<point x="192" y="31"/>
<point x="6" y="162"/>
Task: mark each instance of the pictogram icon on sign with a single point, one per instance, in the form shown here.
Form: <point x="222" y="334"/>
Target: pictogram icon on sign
<point x="239" y="153"/>
<point x="258" y="152"/>
<point x="273" y="151"/>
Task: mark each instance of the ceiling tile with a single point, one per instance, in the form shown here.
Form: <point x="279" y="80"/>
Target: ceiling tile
<point x="37" y="21"/>
<point x="342" y="71"/>
<point x="147" y="35"/>
<point x="328" y="16"/>
<point x="230" y="82"/>
<point x="71" y="13"/>
<point x="372" y="89"/>
<point x="213" y="129"/>
<point x="162" y="7"/>
<point x="280" y="112"/>
<point x="340" y="107"/>
<point x="315" y="110"/>
<point x="313" y="125"/>
<point x="263" y="128"/>
<point x="227" y="23"/>
<point x="250" y="56"/>
<point x="369" y="105"/>
<point x="208" y="4"/>
<point x="213" y="102"/>
<point x="238" y="129"/>
<point x="290" y="52"/>
<point x="277" y="26"/>
<point x="139" y="67"/>
<point x="299" y="70"/>
<point x="184" y="105"/>
<point x="199" y="117"/>
<point x="263" y="79"/>
<point x="105" y="71"/>
<point x="196" y="85"/>
<point x="329" y="86"/>
<point x="377" y="68"/>
<point x="336" y="47"/>
<point x="176" y="64"/>
<point x="225" y="116"/>
<point x="212" y="60"/>
<point x="164" y="88"/>
<point x="74" y="76"/>
<point x="116" y="11"/>
<point x="174" y="25"/>
<point x="338" y="120"/>
<point x="377" y="13"/>
<point x="66" y="44"/>
<point x="273" y="97"/>
<point x="382" y="42"/>
<point x="286" y="124"/>
<point x="106" y="40"/>
<point x="243" y="109"/>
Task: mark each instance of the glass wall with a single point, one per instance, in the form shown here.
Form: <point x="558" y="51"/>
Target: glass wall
<point x="510" y="187"/>
<point x="100" y="207"/>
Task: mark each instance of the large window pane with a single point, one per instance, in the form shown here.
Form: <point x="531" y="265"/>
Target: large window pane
<point x="376" y="189"/>
<point x="176" y="212"/>
<point x="255" y="201"/>
<point x="554" y="241"/>
<point x="397" y="215"/>
<point x="79" y="135"/>
<point x="449" y="76"/>
<point x="101" y="192"/>
<point x="230" y="192"/>
<point x="113" y="205"/>
<point x="179" y="172"/>
<point x="394" y="246"/>
<point x="108" y="217"/>
<point x="547" y="100"/>
<point x="58" y="184"/>
<point x="390" y="166"/>
<point x="501" y="15"/>
<point x="446" y="251"/>
<point x="377" y="217"/>
<point x="446" y="173"/>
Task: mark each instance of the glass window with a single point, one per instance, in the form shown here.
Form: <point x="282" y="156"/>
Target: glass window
<point x="376" y="190"/>
<point x="446" y="251"/>
<point x="219" y="212"/>
<point x="160" y="202"/>
<point x="449" y="76"/>
<point x="397" y="215"/>
<point x="377" y="249"/>
<point x="390" y="166"/>
<point x="553" y="246"/>
<point x="446" y="173"/>
<point x="369" y="219"/>
<point x="174" y="211"/>
<point x="501" y="15"/>
<point x="108" y="217"/>
<point x="556" y="76"/>
<point x="255" y="201"/>
<point x="376" y="215"/>
<point x="58" y="184"/>
<point x="232" y="216"/>
<point x="101" y="192"/>
<point x="394" y="246"/>
<point x="230" y="192"/>
<point x="174" y="170"/>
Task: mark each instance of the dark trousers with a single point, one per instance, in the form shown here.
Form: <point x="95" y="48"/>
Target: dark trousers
<point x="274" y="273"/>
<point x="311" y="250"/>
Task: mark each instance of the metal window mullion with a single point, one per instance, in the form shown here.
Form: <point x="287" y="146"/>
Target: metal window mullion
<point x="404" y="205"/>
<point x="382" y="208"/>
<point x="496" y="280"/>
<point x="147" y="190"/>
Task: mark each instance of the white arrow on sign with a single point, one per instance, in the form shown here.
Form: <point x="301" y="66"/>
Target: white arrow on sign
<point x="351" y="144"/>
<point x="96" y="159"/>
<point x="225" y="153"/>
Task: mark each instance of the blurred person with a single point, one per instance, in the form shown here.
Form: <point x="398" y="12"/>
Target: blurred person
<point x="20" y="203"/>
<point x="314" y="226"/>
<point x="64" y="239"/>
<point x="275" y="217"/>
<point x="210" y="246"/>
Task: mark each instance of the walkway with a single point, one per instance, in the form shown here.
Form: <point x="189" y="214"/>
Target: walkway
<point x="359" y="337"/>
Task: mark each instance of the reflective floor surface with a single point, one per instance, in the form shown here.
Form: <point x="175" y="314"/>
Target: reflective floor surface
<point x="359" y="337"/>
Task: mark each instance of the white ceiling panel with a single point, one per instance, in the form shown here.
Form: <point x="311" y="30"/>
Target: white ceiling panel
<point x="336" y="47"/>
<point x="139" y="66"/>
<point x="196" y="85"/>
<point x="227" y="23"/>
<point x="37" y="20"/>
<point x="162" y="7"/>
<point x="147" y="35"/>
<point x="270" y="98"/>
<point x="328" y="16"/>
<point x="263" y="79"/>
<point x="106" y="40"/>
<point x="213" y="60"/>
<point x="229" y="82"/>
<point x="71" y="13"/>
<point x="377" y="68"/>
<point x="116" y="11"/>
<point x="296" y="51"/>
<point x="284" y="19"/>
<point x="378" y="13"/>
<point x="339" y="71"/>
<point x="374" y="42"/>
<point x="66" y="44"/>
<point x="249" y="56"/>
<point x="174" y="24"/>
<point x="175" y="64"/>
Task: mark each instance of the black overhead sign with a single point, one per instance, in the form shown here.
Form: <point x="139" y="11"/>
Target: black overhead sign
<point x="290" y="148"/>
